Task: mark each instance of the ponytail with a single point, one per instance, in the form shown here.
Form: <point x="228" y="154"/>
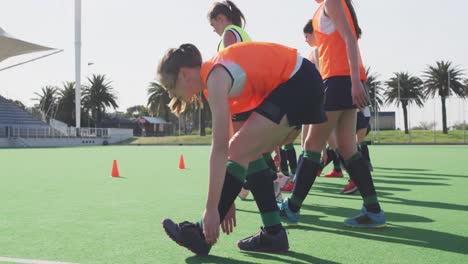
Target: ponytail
<point x="230" y="10"/>
<point x="349" y="3"/>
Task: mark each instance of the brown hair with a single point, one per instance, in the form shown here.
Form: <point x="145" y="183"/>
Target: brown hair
<point x="187" y="55"/>
<point x="230" y="10"/>
<point x="308" y="28"/>
<point x="349" y="3"/>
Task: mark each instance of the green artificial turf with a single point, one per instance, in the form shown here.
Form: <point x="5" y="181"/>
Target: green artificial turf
<point x="61" y="204"/>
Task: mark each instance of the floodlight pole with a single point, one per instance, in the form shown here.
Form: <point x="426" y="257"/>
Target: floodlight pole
<point x="78" y="63"/>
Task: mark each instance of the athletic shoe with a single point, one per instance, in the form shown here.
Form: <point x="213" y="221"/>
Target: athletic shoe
<point x="279" y="199"/>
<point x="334" y="174"/>
<point x="188" y="235"/>
<point x="350" y="188"/>
<point x="367" y="219"/>
<point x="243" y="194"/>
<point x="286" y="215"/>
<point x="288" y="187"/>
<point x="264" y="242"/>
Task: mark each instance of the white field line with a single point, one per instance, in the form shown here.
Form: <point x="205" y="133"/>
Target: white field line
<point x="31" y="261"/>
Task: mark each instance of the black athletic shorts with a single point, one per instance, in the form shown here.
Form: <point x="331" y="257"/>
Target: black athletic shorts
<point x="338" y="93"/>
<point x="300" y="98"/>
<point x="241" y="117"/>
<point x="361" y="121"/>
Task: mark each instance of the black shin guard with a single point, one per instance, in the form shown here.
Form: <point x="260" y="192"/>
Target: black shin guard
<point x="292" y="159"/>
<point x="264" y="195"/>
<point x="306" y="175"/>
<point x="231" y="188"/>
<point x="284" y="162"/>
<point x="359" y="172"/>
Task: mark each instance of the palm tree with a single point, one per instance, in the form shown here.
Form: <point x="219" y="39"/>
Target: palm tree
<point x="466" y="88"/>
<point x="405" y="89"/>
<point x="98" y="95"/>
<point x="445" y="80"/>
<point x="66" y="102"/>
<point x="47" y="101"/>
<point x="158" y="100"/>
<point x="375" y="89"/>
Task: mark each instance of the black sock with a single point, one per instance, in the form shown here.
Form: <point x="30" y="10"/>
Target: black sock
<point x="284" y="162"/>
<point x="306" y="174"/>
<point x="337" y="163"/>
<point x="341" y="159"/>
<point x="264" y="195"/>
<point x="292" y="157"/>
<point x="233" y="181"/>
<point x="359" y="172"/>
<point x="331" y="156"/>
<point x="299" y="161"/>
<point x="365" y="151"/>
<point x="269" y="161"/>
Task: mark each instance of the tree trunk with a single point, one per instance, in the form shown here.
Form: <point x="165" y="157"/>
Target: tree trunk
<point x="405" y="116"/>
<point x="444" y="116"/>
<point x="202" y="122"/>
<point x="98" y="117"/>
<point x="196" y="119"/>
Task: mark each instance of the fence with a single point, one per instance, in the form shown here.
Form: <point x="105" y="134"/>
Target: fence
<point x="47" y="132"/>
<point x="424" y="123"/>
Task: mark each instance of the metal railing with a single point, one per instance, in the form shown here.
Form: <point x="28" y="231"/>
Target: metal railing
<point x="48" y="132"/>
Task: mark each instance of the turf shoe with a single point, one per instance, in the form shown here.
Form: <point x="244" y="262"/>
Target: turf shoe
<point x="350" y="188"/>
<point x="334" y="174"/>
<point x="188" y="235"/>
<point x="286" y="215"/>
<point x="264" y="242"/>
<point x="288" y="187"/>
<point x="367" y="219"/>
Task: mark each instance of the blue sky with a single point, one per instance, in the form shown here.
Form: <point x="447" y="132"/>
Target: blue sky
<point x="125" y="39"/>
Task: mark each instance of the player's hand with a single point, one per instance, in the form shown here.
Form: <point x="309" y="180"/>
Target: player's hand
<point x="211" y="225"/>
<point x="229" y="221"/>
<point x="359" y="95"/>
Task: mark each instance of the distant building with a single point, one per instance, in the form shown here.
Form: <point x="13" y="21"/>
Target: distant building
<point x="385" y="121"/>
<point x="153" y="127"/>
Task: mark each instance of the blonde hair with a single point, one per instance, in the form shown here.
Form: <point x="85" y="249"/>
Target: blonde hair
<point x="187" y="55"/>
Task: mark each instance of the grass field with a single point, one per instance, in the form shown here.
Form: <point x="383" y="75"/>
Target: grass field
<point x="60" y="204"/>
<point x="381" y="137"/>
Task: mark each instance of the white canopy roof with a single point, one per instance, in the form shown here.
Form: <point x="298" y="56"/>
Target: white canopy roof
<point x="11" y="46"/>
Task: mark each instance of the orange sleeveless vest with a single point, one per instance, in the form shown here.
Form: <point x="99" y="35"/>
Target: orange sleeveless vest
<point x="333" y="58"/>
<point x="265" y="65"/>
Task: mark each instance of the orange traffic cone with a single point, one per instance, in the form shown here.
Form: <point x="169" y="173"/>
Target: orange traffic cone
<point x="115" y="170"/>
<point x="181" y="162"/>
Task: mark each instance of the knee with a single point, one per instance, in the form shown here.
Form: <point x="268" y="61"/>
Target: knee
<point x="242" y="151"/>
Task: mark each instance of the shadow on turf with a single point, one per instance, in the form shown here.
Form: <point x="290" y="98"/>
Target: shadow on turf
<point x="215" y="259"/>
<point x="336" y="187"/>
<point x="387" y="197"/>
<point x="399" y="169"/>
<point x="446" y="175"/>
<point x="423" y="172"/>
<point x="291" y="254"/>
<point x="347" y="212"/>
<point x="285" y="258"/>
<point x="396" y="234"/>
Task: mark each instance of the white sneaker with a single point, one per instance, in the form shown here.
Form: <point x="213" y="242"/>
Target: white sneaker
<point x="243" y="194"/>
